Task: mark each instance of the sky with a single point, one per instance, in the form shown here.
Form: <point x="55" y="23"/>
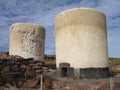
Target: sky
<point x="43" y="12"/>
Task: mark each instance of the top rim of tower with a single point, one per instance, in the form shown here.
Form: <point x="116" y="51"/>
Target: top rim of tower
<point x="82" y="8"/>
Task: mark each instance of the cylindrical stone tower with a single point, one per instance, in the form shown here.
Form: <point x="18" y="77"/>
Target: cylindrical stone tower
<point x="27" y="40"/>
<point x="81" y="42"/>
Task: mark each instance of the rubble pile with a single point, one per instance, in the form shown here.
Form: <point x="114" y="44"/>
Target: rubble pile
<point x="24" y="72"/>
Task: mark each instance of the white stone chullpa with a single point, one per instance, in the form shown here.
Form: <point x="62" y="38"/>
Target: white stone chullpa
<point x="81" y="38"/>
<point x="27" y="40"/>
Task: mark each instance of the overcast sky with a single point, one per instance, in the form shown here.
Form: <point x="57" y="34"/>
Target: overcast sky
<point x="43" y="12"/>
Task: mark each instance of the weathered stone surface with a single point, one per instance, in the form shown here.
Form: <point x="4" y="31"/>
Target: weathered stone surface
<point x="85" y="85"/>
<point x="36" y="67"/>
<point x="81" y="40"/>
<point x="64" y="65"/>
<point x="94" y="72"/>
<point x="39" y="71"/>
<point x="30" y="74"/>
<point x="57" y="85"/>
<point x="23" y="66"/>
<point x="31" y="83"/>
<point x="27" y="40"/>
<point x="102" y="85"/>
<point x="39" y="64"/>
<point x="71" y="86"/>
<point x="19" y="84"/>
<point x="5" y="69"/>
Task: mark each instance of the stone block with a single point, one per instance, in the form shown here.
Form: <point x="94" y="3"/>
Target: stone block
<point x="64" y="65"/>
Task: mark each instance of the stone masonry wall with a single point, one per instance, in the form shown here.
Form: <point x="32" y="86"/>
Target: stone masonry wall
<point x="22" y="72"/>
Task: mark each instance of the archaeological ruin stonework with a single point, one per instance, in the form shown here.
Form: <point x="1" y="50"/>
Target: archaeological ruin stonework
<point x="27" y="40"/>
<point x="81" y="43"/>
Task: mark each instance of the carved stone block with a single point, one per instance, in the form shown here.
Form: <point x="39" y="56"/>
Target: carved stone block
<point x="27" y="40"/>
